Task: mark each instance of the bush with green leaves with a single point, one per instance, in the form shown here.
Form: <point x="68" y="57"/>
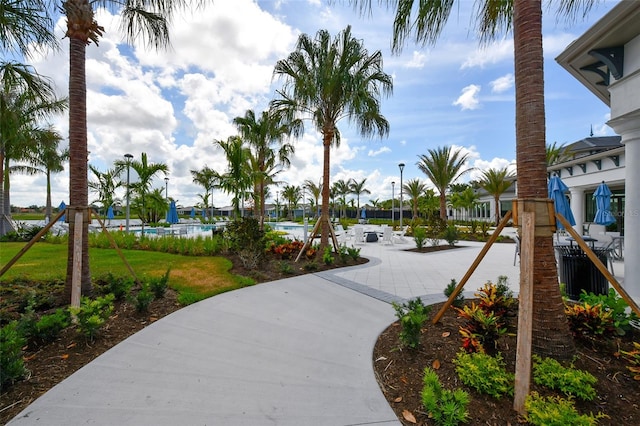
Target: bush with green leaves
<point x="354" y="253"/>
<point x="412" y="315"/>
<point x="448" y="291"/>
<point x="11" y="363"/>
<point x="420" y="237"/>
<point x="343" y="254"/>
<point x="285" y="268"/>
<point x="556" y="411"/>
<point x="568" y="380"/>
<point x="159" y="285"/>
<point x="446" y="407"/>
<point x="486" y="374"/>
<point x="327" y="256"/>
<point x="611" y="302"/>
<point x="119" y="286"/>
<point x="311" y="265"/>
<point x="143" y="298"/>
<point x="49" y="326"/>
<point x="247" y="240"/>
<point x="451" y="235"/>
<point x="482" y="328"/>
<point x="633" y="358"/>
<point x="92" y="314"/>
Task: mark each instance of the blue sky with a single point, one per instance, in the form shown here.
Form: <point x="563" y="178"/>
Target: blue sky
<point x="172" y="104"/>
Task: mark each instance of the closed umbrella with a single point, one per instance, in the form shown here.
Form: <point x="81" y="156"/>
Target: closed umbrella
<point x="172" y="214"/>
<point x="363" y="214"/>
<point x="193" y="212"/>
<point x="110" y="214"/>
<point x="557" y="189"/>
<point x="603" y="205"/>
<point x="61" y="207"/>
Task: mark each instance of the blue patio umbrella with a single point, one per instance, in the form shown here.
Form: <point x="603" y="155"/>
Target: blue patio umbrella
<point x="603" y="205"/>
<point x="193" y="212"/>
<point x="557" y="188"/>
<point x="363" y="214"/>
<point x="172" y="214"/>
<point x="61" y="207"/>
<point x="204" y="213"/>
<point x="110" y="214"/>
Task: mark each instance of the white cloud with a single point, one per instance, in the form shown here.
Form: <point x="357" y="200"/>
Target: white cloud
<point x="502" y="84"/>
<point x="417" y="60"/>
<point x="495" y="53"/>
<point x="377" y="152"/>
<point x="469" y="98"/>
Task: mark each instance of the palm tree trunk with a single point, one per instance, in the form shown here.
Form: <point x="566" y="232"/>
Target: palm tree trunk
<point x="78" y="186"/>
<point x="324" y="217"/>
<point x="550" y="329"/>
<point x="443" y="205"/>
<point x="498" y="215"/>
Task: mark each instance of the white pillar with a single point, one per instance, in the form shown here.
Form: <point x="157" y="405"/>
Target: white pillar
<point x="577" y="208"/>
<point x="628" y="127"/>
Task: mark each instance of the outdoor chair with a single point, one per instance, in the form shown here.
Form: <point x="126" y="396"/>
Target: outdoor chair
<point x="387" y="235"/>
<point x="358" y="234"/>
<point x="399" y="235"/>
<point x="161" y="231"/>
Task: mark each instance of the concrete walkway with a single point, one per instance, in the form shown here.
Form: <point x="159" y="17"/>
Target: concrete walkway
<point x="289" y="352"/>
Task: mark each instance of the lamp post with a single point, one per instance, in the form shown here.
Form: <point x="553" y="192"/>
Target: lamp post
<point x="393" y="196"/>
<point x="166" y="188"/>
<point x="128" y="158"/>
<point x="401" y="166"/>
<point x="277" y="206"/>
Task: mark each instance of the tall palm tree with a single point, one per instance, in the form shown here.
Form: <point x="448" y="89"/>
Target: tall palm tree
<point x="357" y="188"/>
<point x="414" y="188"/>
<point x="292" y="195"/>
<point x="105" y="185"/>
<point x="142" y="187"/>
<point x="496" y="182"/>
<point x="341" y="190"/>
<point x="26" y="26"/>
<point x="443" y="167"/>
<point x="425" y="21"/>
<point x="237" y="179"/>
<point x="49" y="160"/>
<point x="264" y="135"/>
<point x="316" y="191"/>
<point x="208" y="179"/>
<point x="326" y="80"/>
<point x="557" y="153"/>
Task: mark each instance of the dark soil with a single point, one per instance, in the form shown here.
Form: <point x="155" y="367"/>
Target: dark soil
<point x="432" y="249"/>
<point x="399" y="371"/>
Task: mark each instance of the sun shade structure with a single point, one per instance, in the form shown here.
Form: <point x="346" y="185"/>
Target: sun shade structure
<point x="172" y="214"/>
<point x="61" y="207"/>
<point x="557" y="189"/>
<point x="603" y="205"/>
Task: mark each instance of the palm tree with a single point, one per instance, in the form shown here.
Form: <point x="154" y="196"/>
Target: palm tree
<point x="146" y="173"/>
<point x="357" y="188"/>
<point x="262" y="134"/>
<point x="341" y="190"/>
<point x="315" y="191"/>
<point x="496" y="182"/>
<point x="49" y="160"/>
<point x="237" y="179"/>
<point x="443" y="167"/>
<point x="25" y="25"/>
<point x="555" y="153"/>
<point x="292" y="195"/>
<point x="326" y="81"/>
<point x="550" y="330"/>
<point x="105" y="185"/>
<point x="414" y="188"/>
<point x="208" y="179"/>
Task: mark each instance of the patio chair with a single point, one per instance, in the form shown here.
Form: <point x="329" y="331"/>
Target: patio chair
<point x="358" y="235"/>
<point x="399" y="235"/>
<point x="517" y="253"/>
<point x="161" y="231"/>
<point x="387" y="235"/>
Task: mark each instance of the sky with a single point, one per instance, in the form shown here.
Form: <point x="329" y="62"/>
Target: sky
<point x="173" y="103"/>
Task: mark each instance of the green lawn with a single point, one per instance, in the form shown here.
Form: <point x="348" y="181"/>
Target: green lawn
<point x="194" y="277"/>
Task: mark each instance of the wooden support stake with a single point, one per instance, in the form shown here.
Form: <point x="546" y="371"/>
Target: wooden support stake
<point x="525" y="313"/>
<point x="34" y="240"/>
<point x="602" y="268"/>
<point x="473" y="267"/>
<point x="314" y="232"/>
<point x="76" y="276"/>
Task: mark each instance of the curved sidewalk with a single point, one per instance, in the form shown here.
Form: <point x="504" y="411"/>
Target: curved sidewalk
<point x="296" y="351"/>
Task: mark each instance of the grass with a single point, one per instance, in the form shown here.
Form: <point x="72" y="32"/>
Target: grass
<point x="195" y="278"/>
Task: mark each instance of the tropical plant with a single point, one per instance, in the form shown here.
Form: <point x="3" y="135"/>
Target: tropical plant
<point x="237" y="179"/>
<point x="496" y="182"/>
<point x="105" y="185"/>
<point x="446" y="407"/>
<point x="424" y="22"/>
<point x="316" y="192"/>
<point x="557" y="153"/>
<point x="414" y="188"/>
<point x="262" y="135"/>
<point x="292" y="195"/>
<point x="326" y="80"/>
<point x="357" y="188"/>
<point x="142" y="187"/>
<point x="485" y="373"/>
<point x="411" y="315"/>
<point x="443" y="167"/>
<point x="341" y="190"/>
<point x="208" y="179"/>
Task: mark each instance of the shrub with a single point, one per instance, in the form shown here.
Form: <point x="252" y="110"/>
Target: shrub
<point x="311" y="266"/>
<point x="11" y="362"/>
<point x="481" y="329"/>
<point x="633" y="357"/>
<point x="246" y="239"/>
<point x="571" y="382"/>
<point x="420" y="237"/>
<point x="92" y="314"/>
<point x="484" y="373"/>
<point x="160" y="285"/>
<point x="327" y="257"/>
<point x="354" y="253"/>
<point x="48" y="327"/>
<point x="589" y="321"/>
<point x="446" y="407"/>
<point x="556" y="411"/>
<point x="285" y="268"/>
<point x="110" y="284"/>
<point x="343" y="255"/>
<point x="611" y="302"/>
<point x="143" y="299"/>
<point x="496" y="299"/>
<point x="448" y="291"/>
<point x="411" y="316"/>
<point x="451" y="235"/>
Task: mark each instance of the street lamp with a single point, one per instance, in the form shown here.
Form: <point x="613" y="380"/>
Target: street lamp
<point x="401" y="165"/>
<point x="277" y="206"/>
<point x="128" y="158"/>
<point x="166" y="188"/>
<point x="393" y="196"/>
